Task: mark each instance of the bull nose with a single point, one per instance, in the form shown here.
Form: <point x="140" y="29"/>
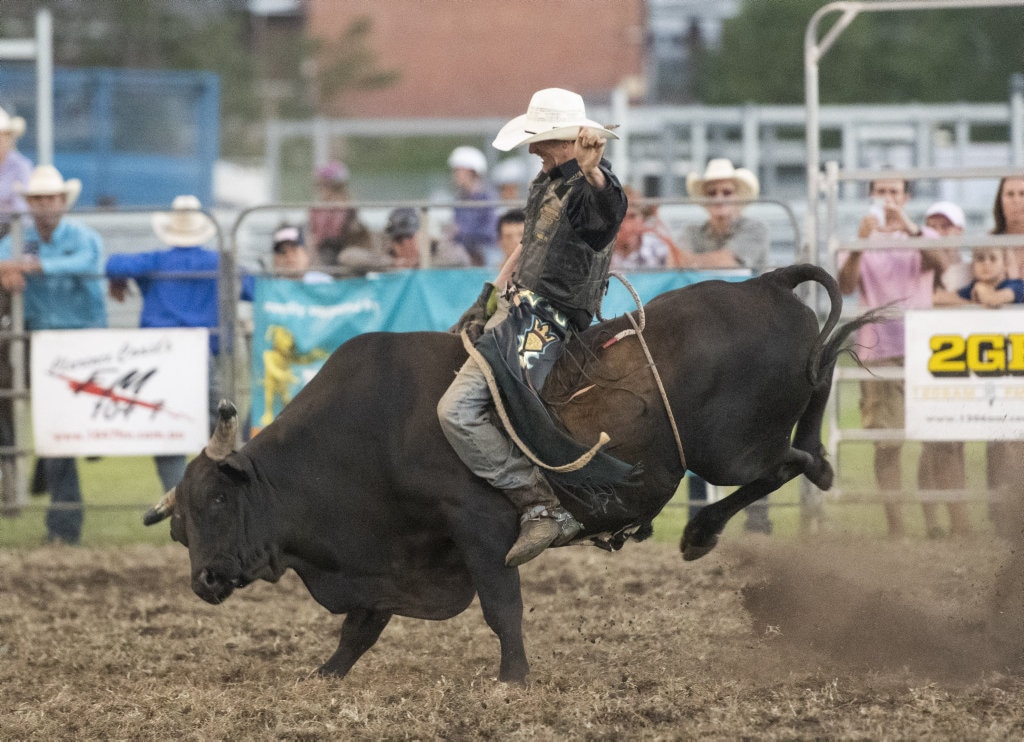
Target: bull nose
<point x="208" y="578"/>
<point x="211" y="586"/>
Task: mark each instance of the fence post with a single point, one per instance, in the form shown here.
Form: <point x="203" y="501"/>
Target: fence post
<point x="1017" y="119"/>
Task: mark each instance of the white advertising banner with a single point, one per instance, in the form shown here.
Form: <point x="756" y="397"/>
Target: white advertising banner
<point x="964" y="371"/>
<point x="120" y="392"/>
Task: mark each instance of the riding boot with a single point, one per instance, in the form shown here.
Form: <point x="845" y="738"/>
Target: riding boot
<point x="542" y="522"/>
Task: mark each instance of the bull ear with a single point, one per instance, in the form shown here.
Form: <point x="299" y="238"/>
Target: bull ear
<point x="238" y="468"/>
<point x="222" y="442"/>
<point x="161" y="510"/>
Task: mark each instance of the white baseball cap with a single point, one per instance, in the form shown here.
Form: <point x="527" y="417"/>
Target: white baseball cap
<point x="949" y="210"/>
<point x="468" y="158"/>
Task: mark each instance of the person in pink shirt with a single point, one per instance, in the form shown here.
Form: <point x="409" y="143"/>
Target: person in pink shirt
<point x="941" y="466"/>
<point x="904" y="278"/>
<point x="334" y="225"/>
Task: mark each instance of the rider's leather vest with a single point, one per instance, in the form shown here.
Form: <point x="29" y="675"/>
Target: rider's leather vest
<point x="556" y="263"/>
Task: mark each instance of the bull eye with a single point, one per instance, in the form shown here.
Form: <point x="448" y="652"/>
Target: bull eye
<point x="219" y="499"/>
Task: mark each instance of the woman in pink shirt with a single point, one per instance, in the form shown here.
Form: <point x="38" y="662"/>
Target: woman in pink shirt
<point x="899" y="276"/>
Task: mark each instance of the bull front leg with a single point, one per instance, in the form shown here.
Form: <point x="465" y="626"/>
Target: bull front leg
<point x="484" y="529"/>
<point x="502" y="606"/>
<point x="359" y="631"/>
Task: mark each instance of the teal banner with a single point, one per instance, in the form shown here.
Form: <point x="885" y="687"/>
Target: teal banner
<point x="297" y="325"/>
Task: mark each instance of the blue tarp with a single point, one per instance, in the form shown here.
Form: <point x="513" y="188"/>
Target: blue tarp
<point x="297" y="325"/>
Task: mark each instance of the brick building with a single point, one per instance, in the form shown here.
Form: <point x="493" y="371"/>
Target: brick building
<point x="485" y="57"/>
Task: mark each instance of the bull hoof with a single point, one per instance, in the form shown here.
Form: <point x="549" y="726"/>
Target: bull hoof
<point x="514" y="672"/>
<point x="692" y="552"/>
<point x="821" y="474"/>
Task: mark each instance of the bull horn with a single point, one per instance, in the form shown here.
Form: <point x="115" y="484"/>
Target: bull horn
<point x="222" y="442"/>
<point x="161" y="510"/>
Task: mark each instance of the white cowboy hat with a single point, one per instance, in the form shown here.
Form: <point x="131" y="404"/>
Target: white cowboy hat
<point x="553" y="113"/>
<point x="185" y="225"/>
<point x="722" y="169"/>
<point x="11" y="124"/>
<point x="46" y="180"/>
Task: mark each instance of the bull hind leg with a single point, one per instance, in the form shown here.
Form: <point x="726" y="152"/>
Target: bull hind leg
<point x="701" y="534"/>
<point x="359" y="632"/>
<point x="808" y="437"/>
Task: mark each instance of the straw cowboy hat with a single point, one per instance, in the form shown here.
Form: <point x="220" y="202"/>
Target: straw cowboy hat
<point x="11" y="124"/>
<point x="553" y="113"/>
<point x="722" y="169"/>
<point x="185" y="225"/>
<point x="46" y="180"/>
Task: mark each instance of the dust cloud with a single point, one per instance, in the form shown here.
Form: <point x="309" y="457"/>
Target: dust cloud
<point x="928" y="607"/>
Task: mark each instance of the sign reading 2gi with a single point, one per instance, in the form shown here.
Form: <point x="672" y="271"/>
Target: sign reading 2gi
<point x="964" y="374"/>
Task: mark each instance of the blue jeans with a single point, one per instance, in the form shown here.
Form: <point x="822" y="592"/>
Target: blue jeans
<point x="64" y="517"/>
<point x="170" y="469"/>
<point x="465" y="418"/>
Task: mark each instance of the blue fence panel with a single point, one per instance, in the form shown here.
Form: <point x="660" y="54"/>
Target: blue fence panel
<point x="133" y="137"/>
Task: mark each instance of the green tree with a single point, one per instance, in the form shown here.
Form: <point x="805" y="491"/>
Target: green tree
<point x="349" y="63"/>
<point x="882" y="57"/>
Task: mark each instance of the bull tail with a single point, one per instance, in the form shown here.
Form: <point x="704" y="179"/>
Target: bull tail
<point x="791" y="277"/>
<point x="836" y="344"/>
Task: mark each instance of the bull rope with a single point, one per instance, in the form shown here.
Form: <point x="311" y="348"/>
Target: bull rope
<point x="638" y="330"/>
<point x="499" y="407"/>
<point x="603" y="438"/>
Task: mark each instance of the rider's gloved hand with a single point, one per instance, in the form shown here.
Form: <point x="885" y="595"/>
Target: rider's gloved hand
<point x="474" y="318"/>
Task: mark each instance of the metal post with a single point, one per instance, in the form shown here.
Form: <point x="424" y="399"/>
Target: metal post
<point x="751" y="129"/>
<point x="813" y="52"/>
<point x="19" y="385"/>
<point x="620" y="149"/>
<point x="321" y="142"/>
<point x="273" y="160"/>
<point x="44" y="87"/>
<point x="1017" y="119"/>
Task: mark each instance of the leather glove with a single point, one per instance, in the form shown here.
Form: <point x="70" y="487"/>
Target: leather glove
<point x="474" y="318"/>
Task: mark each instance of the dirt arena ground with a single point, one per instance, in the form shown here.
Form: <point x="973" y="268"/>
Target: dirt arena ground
<point x="822" y="639"/>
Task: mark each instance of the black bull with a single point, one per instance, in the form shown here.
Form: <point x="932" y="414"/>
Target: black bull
<point x="356" y="489"/>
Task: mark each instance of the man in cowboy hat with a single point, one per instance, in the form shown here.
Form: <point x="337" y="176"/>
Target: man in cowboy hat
<point x="57" y="277"/>
<point x="14" y="168"/>
<point x="727" y="239"/>
<point x="179" y="289"/>
<point x="557" y="277"/>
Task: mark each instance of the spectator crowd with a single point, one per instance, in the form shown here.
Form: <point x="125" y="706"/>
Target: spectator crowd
<point x="60" y="265"/>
